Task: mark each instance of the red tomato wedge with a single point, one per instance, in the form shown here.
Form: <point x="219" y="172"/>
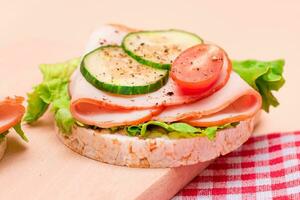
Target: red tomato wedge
<point x="199" y="67"/>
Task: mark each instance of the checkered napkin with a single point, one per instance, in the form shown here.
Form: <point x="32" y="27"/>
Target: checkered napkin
<point x="265" y="167"/>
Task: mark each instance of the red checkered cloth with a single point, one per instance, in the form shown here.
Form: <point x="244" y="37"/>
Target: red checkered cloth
<point x="265" y="167"/>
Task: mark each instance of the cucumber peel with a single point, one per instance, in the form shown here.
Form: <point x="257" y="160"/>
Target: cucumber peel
<point x="158" y="49"/>
<point x="110" y="69"/>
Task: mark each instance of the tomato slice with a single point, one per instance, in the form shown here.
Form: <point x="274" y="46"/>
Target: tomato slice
<point x="198" y="67"/>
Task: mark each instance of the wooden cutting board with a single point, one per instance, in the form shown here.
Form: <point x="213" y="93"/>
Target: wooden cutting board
<point x="52" y="32"/>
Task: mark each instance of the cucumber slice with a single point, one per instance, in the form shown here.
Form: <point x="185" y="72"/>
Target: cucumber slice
<point x="158" y="49"/>
<point x="110" y="69"/>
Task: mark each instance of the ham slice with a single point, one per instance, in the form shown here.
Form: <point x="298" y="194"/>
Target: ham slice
<point x="236" y="101"/>
<point x="170" y="94"/>
<point x="91" y="113"/>
<point x="87" y="110"/>
<point x="11" y="112"/>
<point x="110" y="34"/>
<point x="95" y="107"/>
<point x="241" y="109"/>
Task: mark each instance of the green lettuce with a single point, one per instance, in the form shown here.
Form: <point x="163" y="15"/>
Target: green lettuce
<point x="36" y="107"/>
<point x="53" y="90"/>
<point x="2" y="136"/>
<point x="210" y="132"/>
<point x="264" y="77"/>
<point x="174" y="130"/>
<point x="20" y="132"/>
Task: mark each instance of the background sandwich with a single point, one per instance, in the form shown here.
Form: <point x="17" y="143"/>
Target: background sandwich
<point x="11" y="113"/>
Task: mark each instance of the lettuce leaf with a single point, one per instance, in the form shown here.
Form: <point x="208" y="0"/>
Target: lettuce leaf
<point x="59" y="70"/>
<point x="133" y="130"/>
<point x="174" y="130"/>
<point x="210" y="132"/>
<point x="2" y="136"/>
<point x="184" y="128"/>
<point x="20" y="132"/>
<point x="159" y="133"/>
<point x="144" y="127"/>
<point x="53" y="90"/>
<point x="263" y="76"/>
<point x="179" y="135"/>
<point x="177" y="127"/>
<point x="36" y="107"/>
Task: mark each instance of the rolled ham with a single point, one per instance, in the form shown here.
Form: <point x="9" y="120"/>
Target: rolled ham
<point x="11" y="112"/>
<point x="236" y="101"/>
<point x="91" y="113"/>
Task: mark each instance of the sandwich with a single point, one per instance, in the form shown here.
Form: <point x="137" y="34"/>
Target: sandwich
<point x="11" y="113"/>
<point x="154" y="99"/>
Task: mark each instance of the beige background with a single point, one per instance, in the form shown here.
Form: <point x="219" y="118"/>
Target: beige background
<point x="34" y="32"/>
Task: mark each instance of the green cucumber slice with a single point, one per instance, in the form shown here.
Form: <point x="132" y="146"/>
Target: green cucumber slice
<point x="158" y="49"/>
<point x="110" y="69"/>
